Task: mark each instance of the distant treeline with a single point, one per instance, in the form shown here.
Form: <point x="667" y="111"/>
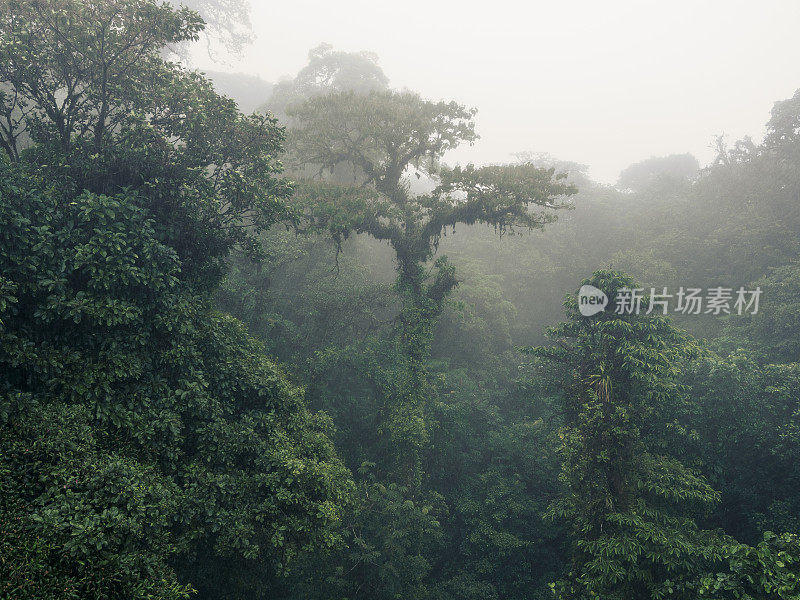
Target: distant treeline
<point x="294" y="354"/>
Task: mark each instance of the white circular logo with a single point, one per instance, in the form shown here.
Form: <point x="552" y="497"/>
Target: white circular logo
<point x="591" y="300"/>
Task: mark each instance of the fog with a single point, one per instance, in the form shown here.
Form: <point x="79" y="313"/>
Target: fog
<point x="602" y="83"/>
<point x="351" y="350"/>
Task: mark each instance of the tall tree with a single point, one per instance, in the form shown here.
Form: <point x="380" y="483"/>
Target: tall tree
<point x="145" y="440"/>
<point x="227" y="22"/>
<point x="659" y="171"/>
<point x="630" y="505"/>
<point x="328" y="71"/>
<point x="103" y="111"/>
<point x="382" y="135"/>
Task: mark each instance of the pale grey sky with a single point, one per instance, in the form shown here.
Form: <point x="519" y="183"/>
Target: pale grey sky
<point x="603" y="82"/>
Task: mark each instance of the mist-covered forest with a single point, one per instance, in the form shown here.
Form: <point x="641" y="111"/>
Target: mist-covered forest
<point x="264" y="340"/>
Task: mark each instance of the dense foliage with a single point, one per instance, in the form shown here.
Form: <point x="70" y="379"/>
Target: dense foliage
<point x="386" y="419"/>
<point x="146" y="439"/>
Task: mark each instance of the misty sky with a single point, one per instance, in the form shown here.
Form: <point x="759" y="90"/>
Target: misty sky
<point x="605" y="83"/>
